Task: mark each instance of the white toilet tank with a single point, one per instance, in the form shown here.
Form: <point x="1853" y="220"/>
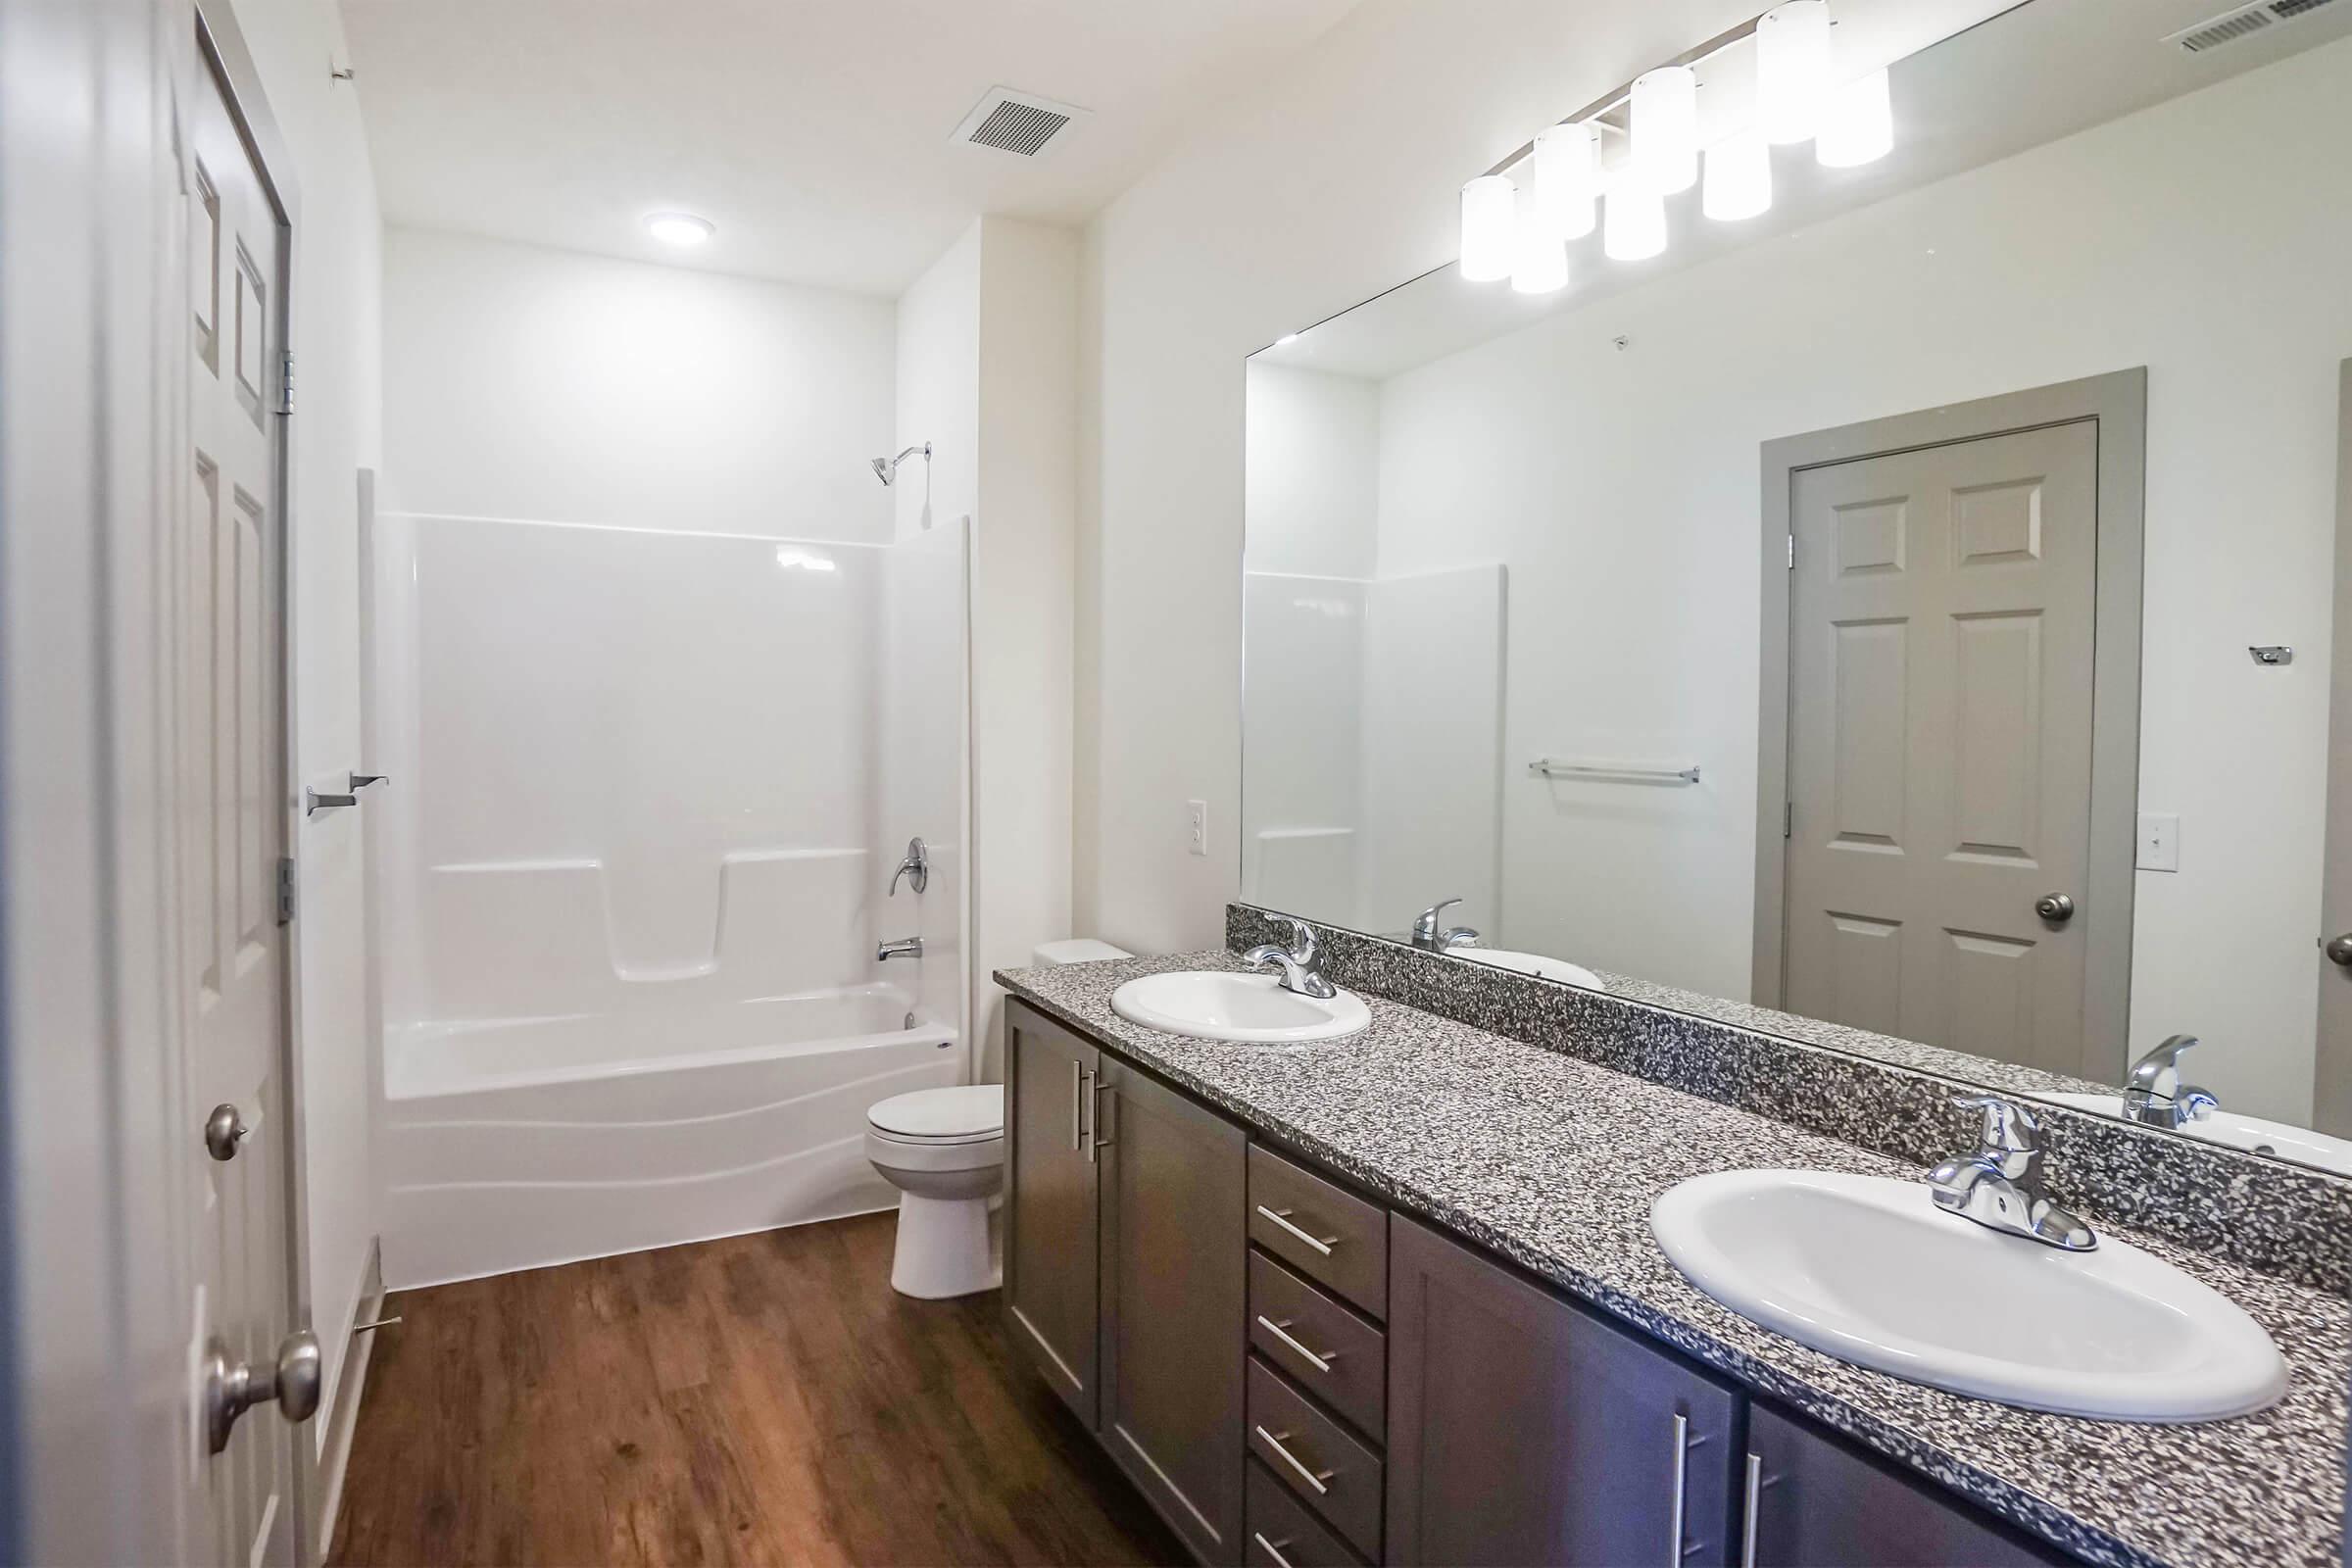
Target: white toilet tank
<point x="1075" y="949"/>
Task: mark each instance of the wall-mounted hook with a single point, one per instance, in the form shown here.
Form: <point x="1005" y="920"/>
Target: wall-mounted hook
<point x="313" y="803"/>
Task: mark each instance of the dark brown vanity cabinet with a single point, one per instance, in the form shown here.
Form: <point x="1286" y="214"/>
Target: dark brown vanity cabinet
<point x="1816" y="1503"/>
<point x="1124" y="1278"/>
<point x="1524" y="1428"/>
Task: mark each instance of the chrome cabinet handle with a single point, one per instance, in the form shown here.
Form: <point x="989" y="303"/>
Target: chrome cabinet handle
<point x="1321" y="1364"/>
<point x="1269" y="1548"/>
<point x="1282" y="1217"/>
<point x="1103" y="1086"/>
<point x="1747" y="1528"/>
<point x="224" y="1132"/>
<point x="1312" y="1478"/>
<point x="1077" y="1093"/>
<point x="1681" y="1468"/>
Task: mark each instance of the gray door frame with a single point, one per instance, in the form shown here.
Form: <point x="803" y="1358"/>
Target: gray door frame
<point x="2118" y="405"/>
<point x="2331" y="1054"/>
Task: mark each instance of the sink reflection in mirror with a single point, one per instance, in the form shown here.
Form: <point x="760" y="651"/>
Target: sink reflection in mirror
<point x="1912" y="610"/>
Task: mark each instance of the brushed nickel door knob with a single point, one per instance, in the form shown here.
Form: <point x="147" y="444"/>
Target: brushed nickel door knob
<point x="2056" y="908"/>
<point x="2338" y="950"/>
<point x="224" y="1132"/>
<point x="232" y="1388"/>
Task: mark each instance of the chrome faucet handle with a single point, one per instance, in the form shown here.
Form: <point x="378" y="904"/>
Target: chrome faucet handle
<point x="1297" y="963"/>
<point x="2154" y="1094"/>
<point x="917" y="863"/>
<point x="2000" y="1186"/>
<point x="1426" y="923"/>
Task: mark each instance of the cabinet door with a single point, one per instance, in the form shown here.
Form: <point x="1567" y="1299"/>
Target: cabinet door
<point x="1174" y="1255"/>
<point x="1524" y="1428"/>
<point x="1051" y="1206"/>
<point x="1817" y="1503"/>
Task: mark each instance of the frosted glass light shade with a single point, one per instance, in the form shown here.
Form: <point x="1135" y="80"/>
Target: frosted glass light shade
<point x="1489" y="222"/>
<point x="1634" y="221"/>
<point x="1738" y="178"/>
<point x="1568" y="178"/>
<point x="1792" y="69"/>
<point x="1538" y="257"/>
<point x="1858" y="125"/>
<point x="1666" y="128"/>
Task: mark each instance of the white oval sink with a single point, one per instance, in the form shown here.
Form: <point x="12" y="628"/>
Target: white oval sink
<point x="1541" y="965"/>
<point x="2230" y="1128"/>
<point x="1870" y="1271"/>
<point x="1236" y="1008"/>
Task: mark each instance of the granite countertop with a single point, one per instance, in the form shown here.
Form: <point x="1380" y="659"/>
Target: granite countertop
<point x="1555" y="1163"/>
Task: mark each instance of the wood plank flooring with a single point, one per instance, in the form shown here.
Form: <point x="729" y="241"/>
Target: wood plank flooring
<point x="763" y="1399"/>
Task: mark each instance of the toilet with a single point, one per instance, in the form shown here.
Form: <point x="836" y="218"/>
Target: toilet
<point x="944" y="1150"/>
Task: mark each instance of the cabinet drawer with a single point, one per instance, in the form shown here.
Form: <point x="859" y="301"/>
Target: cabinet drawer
<point x="1321" y="1345"/>
<point x="1313" y="1456"/>
<point x="1322" y="1230"/>
<point x="1280" y="1533"/>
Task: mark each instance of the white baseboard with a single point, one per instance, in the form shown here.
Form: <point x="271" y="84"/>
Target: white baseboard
<point x="343" y="1416"/>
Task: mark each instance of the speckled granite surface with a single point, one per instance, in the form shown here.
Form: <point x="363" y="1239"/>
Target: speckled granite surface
<point x="1894" y="1099"/>
<point x="1554" y="1161"/>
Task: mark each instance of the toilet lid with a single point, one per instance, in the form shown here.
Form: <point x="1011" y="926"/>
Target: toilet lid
<point x="975" y="1110"/>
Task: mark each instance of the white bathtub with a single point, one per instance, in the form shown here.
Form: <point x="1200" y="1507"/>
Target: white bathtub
<point x="514" y="1142"/>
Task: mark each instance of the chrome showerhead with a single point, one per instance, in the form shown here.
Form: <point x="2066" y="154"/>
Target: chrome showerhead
<point x="886" y="470"/>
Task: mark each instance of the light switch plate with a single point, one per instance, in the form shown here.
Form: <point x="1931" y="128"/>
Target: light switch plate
<point x="2158" y="841"/>
<point x="1198" y="812"/>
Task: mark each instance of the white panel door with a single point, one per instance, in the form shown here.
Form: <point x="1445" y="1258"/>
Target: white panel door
<point x="1939" y="743"/>
<point x="228" y="614"/>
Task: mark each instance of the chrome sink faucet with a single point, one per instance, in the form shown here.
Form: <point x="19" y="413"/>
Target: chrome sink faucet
<point x="2155" y="1095"/>
<point x="1300" y="964"/>
<point x="2000" y="1185"/>
<point x="1427" y="935"/>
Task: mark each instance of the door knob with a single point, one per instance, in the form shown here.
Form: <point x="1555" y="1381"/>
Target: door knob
<point x="2056" y="908"/>
<point x="2338" y="950"/>
<point x="232" y="1388"/>
<point x="224" y="1132"/>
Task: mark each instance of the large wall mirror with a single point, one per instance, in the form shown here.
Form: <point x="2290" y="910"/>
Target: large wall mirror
<point x="1915" y="608"/>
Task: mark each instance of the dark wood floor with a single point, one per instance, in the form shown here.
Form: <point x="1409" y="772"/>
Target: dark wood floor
<point x="763" y="1399"/>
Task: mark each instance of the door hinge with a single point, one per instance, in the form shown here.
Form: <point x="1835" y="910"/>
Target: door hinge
<point x="285" y="381"/>
<point x="285" y="890"/>
<point x="1788" y="819"/>
<point x="1793" y="551"/>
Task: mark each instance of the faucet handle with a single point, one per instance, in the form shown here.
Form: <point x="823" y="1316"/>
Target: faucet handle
<point x="2159" y="1071"/>
<point x="1429" y="919"/>
<point x="2009" y="1127"/>
<point x="1302" y="942"/>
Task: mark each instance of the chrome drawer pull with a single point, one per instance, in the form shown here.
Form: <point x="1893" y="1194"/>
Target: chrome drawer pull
<point x="1314" y="1478"/>
<point x="1322" y="1363"/>
<point x="1682" y="1464"/>
<point x="1270" y="1549"/>
<point x="1077" y="1093"/>
<point x="1282" y="1218"/>
<point x="1747" y="1531"/>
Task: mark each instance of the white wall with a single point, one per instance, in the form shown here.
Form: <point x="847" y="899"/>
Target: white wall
<point x="1311" y="193"/>
<point x="540" y="384"/>
<point x="1311" y="490"/>
<point x="1602" y="474"/>
<point x="336" y="430"/>
<point x="987" y="374"/>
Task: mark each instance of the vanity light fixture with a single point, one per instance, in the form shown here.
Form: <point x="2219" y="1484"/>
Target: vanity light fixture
<point x="1793" y="69"/>
<point x="682" y="229"/>
<point x="1490" y="223"/>
<point x="1666" y="128"/>
<point x="1567" y="162"/>
<point x="1857" y="125"/>
<point x="1634" y="221"/>
<point x="1738" y="183"/>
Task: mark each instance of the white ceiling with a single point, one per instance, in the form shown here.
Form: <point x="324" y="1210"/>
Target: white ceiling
<point x="814" y="133"/>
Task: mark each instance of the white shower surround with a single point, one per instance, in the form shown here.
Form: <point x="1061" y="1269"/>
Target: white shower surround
<point x="648" y="788"/>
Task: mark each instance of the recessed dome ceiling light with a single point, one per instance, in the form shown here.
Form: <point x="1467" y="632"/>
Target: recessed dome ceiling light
<point x="679" y="228"/>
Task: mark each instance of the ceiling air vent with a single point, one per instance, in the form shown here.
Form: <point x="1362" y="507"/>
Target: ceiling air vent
<point x="1023" y="123"/>
<point x="2243" y="22"/>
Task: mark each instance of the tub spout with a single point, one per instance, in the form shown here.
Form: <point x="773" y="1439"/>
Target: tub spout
<point x="904" y="947"/>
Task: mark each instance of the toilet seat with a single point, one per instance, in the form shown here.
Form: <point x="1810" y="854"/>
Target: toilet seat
<point x="972" y="1114"/>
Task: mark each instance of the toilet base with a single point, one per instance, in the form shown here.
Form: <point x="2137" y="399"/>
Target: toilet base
<point x="943" y="1249"/>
